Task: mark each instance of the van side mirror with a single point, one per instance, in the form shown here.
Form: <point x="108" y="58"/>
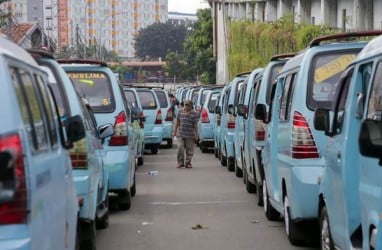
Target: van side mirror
<point x="370" y="139"/>
<point x="75" y="130"/>
<point x="240" y="109"/>
<point x="105" y="130"/>
<point x="321" y="120"/>
<point x="261" y="112"/>
<point x="231" y="109"/>
<point x="218" y="110"/>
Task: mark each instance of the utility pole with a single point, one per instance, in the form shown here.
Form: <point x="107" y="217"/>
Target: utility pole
<point x="77" y="38"/>
<point x="9" y="18"/>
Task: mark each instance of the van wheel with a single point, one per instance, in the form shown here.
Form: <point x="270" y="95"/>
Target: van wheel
<point x="291" y="228"/>
<point x="223" y="160"/>
<point x="326" y="240"/>
<point x="249" y="185"/>
<point x="231" y="164"/>
<point x="238" y="171"/>
<point x="216" y="153"/>
<point x="88" y="236"/>
<point x="103" y="223"/>
<point x="270" y="212"/>
<point x="154" y="150"/>
<point x="140" y="160"/>
<point x="133" y="189"/>
<point x="124" y="200"/>
<point x="169" y="143"/>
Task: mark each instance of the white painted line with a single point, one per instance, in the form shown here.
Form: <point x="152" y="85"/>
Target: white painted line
<point x="194" y="202"/>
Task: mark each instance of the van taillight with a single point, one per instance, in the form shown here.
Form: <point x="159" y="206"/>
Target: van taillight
<point x="245" y="112"/>
<point x="13" y="194"/>
<point x="141" y="120"/>
<point x="204" y="118"/>
<point x="79" y="159"/>
<point x="158" y="118"/>
<point x="169" y="115"/>
<point x="120" y="137"/>
<point x="231" y="121"/>
<point x="260" y="130"/>
<point x="303" y="145"/>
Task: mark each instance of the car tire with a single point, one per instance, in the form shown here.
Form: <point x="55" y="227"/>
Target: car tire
<point x="169" y="143"/>
<point x="270" y="212"/>
<point x="154" y="150"/>
<point x="326" y="240"/>
<point x="238" y="171"/>
<point x="291" y="228"/>
<point x="230" y="164"/>
<point x="140" y="160"/>
<point x="124" y="202"/>
<point x="250" y="187"/>
<point x="88" y="236"/>
<point x="133" y="189"/>
<point x="103" y="223"/>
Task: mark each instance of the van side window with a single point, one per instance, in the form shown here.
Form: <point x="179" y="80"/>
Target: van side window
<point x="374" y="110"/>
<point x="286" y="98"/>
<point x="47" y="104"/>
<point x="31" y="109"/>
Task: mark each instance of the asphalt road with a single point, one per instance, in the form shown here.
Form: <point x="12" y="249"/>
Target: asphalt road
<point x="205" y="207"/>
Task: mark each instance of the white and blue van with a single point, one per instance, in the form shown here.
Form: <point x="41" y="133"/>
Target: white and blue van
<point x="34" y="161"/>
<point x="96" y="83"/>
<point x="295" y="165"/>
<point x="349" y="217"/>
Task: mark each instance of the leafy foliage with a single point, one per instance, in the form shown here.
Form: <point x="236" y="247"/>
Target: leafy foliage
<point x="157" y="39"/>
<point x="252" y="44"/>
<point x="198" y="48"/>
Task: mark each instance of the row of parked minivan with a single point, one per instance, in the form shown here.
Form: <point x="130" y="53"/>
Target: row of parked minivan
<point x="72" y="135"/>
<point x="305" y="133"/>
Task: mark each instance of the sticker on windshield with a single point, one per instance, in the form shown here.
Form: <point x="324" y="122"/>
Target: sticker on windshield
<point x="332" y="68"/>
<point x="152" y="104"/>
<point x="105" y="101"/>
<point x="88" y="82"/>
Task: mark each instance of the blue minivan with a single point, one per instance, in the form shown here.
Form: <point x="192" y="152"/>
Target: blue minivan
<point x="340" y="214"/>
<point x="38" y="201"/>
<point x="95" y="82"/>
<point x="295" y="165"/>
<point x="228" y="122"/>
<point x="89" y="174"/>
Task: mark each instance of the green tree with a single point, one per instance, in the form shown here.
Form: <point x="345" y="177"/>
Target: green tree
<point x="175" y="66"/>
<point x="157" y="39"/>
<point x="198" y="48"/>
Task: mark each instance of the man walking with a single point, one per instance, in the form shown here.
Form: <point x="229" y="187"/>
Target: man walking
<point x="187" y="122"/>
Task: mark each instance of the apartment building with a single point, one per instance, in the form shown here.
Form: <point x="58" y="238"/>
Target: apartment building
<point x="109" y="23"/>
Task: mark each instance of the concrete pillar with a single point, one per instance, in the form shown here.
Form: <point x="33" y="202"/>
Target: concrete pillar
<point x="363" y="14"/>
<point x="259" y="11"/>
<point x="271" y="10"/>
<point x="329" y="11"/>
<point x="303" y="11"/>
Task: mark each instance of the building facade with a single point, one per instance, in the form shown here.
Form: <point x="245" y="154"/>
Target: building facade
<point x="349" y="15"/>
<point x="109" y="23"/>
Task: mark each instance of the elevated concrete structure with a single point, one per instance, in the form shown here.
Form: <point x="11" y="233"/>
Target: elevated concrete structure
<point x="349" y="15"/>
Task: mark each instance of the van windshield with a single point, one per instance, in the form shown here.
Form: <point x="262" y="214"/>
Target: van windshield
<point x="96" y="88"/>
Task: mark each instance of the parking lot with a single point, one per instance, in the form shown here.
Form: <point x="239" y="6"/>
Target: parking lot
<point x="206" y="207"/>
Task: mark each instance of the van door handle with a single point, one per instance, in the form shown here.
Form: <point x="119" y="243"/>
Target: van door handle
<point x="339" y="156"/>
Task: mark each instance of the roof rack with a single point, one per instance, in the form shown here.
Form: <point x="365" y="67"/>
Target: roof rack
<point x="39" y="53"/>
<point x="282" y="56"/>
<point x="82" y="61"/>
<point x="243" y="73"/>
<point x="141" y="86"/>
<point x="317" y="41"/>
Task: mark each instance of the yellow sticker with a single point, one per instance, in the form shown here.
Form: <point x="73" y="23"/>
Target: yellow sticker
<point x="105" y="101"/>
<point x="87" y="75"/>
<point x="89" y="82"/>
<point x="152" y="104"/>
<point x="332" y="68"/>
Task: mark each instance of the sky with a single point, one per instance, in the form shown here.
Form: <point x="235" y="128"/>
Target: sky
<point x="186" y="6"/>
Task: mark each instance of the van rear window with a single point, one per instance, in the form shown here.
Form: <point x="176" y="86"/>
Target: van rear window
<point x="161" y="95"/>
<point x="147" y="99"/>
<point x="325" y="72"/>
<point x="96" y="88"/>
